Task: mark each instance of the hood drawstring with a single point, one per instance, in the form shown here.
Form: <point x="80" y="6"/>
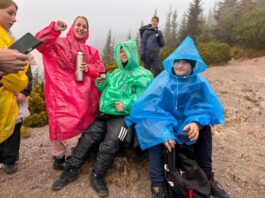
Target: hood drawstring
<point x="177" y="95"/>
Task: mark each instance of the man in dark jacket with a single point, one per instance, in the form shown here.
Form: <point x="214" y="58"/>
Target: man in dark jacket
<point x="151" y="42"/>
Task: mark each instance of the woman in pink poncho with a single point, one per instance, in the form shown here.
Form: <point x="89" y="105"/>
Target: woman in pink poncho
<point x="71" y="105"/>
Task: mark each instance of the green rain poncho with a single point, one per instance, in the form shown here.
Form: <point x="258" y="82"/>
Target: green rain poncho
<point x="126" y="83"/>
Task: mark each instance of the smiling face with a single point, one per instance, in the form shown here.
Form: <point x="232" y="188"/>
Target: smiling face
<point x="8" y="17"/>
<point x="80" y="28"/>
<point x="182" y="68"/>
<point x="123" y="56"/>
<point x="154" y="22"/>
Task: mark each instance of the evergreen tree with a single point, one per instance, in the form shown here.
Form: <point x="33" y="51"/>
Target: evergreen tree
<point x="224" y="6"/>
<point x="245" y="6"/>
<point x="249" y="32"/>
<point x="108" y="51"/>
<point x="227" y="15"/>
<point x="155" y="12"/>
<point x="138" y="41"/>
<point x="37" y="78"/>
<point x="173" y="33"/>
<point x="211" y="21"/>
<point x="259" y="3"/>
<point x="167" y="30"/>
<point x="206" y="35"/>
<point x="129" y="36"/>
<point x="182" y="30"/>
<point x="138" y="38"/>
<point x="142" y="23"/>
<point x="37" y="109"/>
<point x="194" y="19"/>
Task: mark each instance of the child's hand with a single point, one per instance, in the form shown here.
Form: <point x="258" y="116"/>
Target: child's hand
<point x="84" y="67"/>
<point x="20" y="97"/>
<point x="119" y="106"/>
<point x="193" y="129"/>
<point x="100" y="80"/>
<point x="170" y="144"/>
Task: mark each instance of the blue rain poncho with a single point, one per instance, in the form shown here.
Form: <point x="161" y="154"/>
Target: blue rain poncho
<point x="171" y="102"/>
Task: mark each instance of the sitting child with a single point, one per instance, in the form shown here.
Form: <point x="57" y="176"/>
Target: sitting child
<point x="178" y="99"/>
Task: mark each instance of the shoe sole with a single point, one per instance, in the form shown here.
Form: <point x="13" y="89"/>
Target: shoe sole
<point x="55" y="188"/>
<point x="10" y="172"/>
<point x="99" y="194"/>
<point x="58" y="169"/>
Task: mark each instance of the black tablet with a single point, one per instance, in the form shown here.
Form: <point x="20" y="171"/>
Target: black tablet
<point x="26" y="43"/>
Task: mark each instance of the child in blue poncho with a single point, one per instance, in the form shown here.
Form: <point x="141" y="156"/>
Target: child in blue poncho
<point x="178" y="99"/>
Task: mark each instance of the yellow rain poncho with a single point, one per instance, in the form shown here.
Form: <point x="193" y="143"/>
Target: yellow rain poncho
<point x="11" y="83"/>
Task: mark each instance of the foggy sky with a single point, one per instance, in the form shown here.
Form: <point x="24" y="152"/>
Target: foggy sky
<point x="121" y="16"/>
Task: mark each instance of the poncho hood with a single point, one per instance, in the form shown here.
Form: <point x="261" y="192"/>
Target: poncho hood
<point x="131" y="52"/>
<point x="186" y="51"/>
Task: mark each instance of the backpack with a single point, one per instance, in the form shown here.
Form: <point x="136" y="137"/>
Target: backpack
<point x="143" y="28"/>
<point x="184" y="177"/>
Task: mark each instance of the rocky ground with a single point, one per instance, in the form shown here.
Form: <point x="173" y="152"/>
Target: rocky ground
<point x="238" y="154"/>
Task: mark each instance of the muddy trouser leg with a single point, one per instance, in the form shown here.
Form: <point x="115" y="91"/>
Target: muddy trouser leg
<point x="156" y="165"/>
<point x="93" y="135"/>
<point x="156" y="64"/>
<point x="203" y="150"/>
<point x="110" y="147"/>
<point x="10" y="148"/>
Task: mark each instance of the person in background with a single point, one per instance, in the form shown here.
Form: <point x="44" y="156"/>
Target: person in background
<point x="71" y="105"/>
<point x="118" y="92"/>
<point x="179" y="99"/>
<point x="151" y="42"/>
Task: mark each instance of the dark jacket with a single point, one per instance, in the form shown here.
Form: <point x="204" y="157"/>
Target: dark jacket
<point x="151" y="42"/>
<point x="28" y="89"/>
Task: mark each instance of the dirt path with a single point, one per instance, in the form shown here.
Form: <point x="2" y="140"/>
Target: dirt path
<point x="238" y="157"/>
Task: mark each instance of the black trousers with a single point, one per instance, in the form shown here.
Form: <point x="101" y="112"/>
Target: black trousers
<point x="103" y="131"/>
<point x="152" y="60"/>
<point x="202" y="151"/>
<point x="9" y="149"/>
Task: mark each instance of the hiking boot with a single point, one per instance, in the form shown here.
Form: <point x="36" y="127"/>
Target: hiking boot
<point x="68" y="175"/>
<point x="158" y="192"/>
<point x="10" y="168"/>
<point x="216" y="190"/>
<point x="58" y="163"/>
<point x="99" y="185"/>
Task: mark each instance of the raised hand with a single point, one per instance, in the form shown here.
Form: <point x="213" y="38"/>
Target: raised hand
<point x="60" y="26"/>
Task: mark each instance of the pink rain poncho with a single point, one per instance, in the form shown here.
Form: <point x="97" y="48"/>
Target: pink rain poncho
<point x="71" y="105"/>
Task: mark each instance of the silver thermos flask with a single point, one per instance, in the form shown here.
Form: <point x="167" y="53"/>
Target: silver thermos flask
<point x="79" y="62"/>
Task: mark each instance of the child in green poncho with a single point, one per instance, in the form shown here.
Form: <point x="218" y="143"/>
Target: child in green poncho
<point x="119" y="91"/>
